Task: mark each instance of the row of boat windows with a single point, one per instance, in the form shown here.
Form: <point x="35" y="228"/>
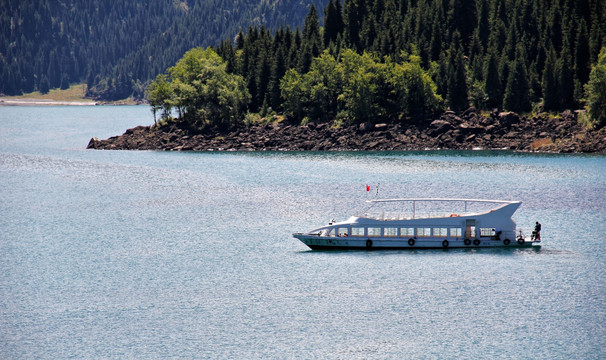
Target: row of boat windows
<point x="407" y="232"/>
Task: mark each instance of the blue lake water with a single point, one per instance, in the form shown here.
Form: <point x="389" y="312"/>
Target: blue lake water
<point x="117" y="254"/>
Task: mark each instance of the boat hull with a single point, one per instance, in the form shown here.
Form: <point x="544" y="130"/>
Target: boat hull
<point x="333" y="243"/>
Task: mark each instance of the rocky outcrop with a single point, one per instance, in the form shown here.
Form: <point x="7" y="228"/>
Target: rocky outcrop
<point x="456" y="131"/>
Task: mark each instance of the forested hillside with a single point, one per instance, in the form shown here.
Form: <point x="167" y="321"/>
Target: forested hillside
<point x="510" y="54"/>
<point x="117" y="46"/>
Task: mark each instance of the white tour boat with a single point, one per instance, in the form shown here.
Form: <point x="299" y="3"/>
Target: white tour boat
<point x="491" y="227"/>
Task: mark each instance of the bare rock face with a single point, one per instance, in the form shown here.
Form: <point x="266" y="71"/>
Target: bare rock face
<point x="463" y="131"/>
<point x="93" y="143"/>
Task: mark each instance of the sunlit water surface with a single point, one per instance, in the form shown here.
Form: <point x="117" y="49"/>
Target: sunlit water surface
<point x="117" y="254"/>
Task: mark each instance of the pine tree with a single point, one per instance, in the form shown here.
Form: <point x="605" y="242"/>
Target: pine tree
<point x="565" y="79"/>
<point x="64" y="82"/>
<point x="457" y="94"/>
<point x="333" y="22"/>
<point x="462" y="19"/>
<point x="492" y="82"/>
<point x="581" y="61"/>
<point x="277" y="72"/>
<point x="550" y="84"/>
<point x="517" y="90"/>
<point x="483" y="28"/>
<point x="263" y="78"/>
<point x="44" y="86"/>
<point x="353" y="11"/>
<point x="311" y="45"/>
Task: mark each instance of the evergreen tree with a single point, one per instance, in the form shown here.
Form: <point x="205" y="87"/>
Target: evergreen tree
<point x="550" y="84"/>
<point x="333" y="22"/>
<point x="582" y="61"/>
<point x="263" y="78"/>
<point x="353" y="12"/>
<point x="457" y="95"/>
<point x="311" y="45"/>
<point x="492" y="83"/>
<point x="44" y="86"/>
<point x="64" y="82"/>
<point x="277" y="72"/>
<point x="483" y="29"/>
<point x="517" y="94"/>
<point x="462" y="20"/>
<point x="564" y="74"/>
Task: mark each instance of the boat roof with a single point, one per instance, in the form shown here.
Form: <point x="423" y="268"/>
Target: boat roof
<point x="500" y="216"/>
<point x="501" y="204"/>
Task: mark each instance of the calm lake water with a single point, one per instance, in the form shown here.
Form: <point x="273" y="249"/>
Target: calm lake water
<point x="117" y="254"/>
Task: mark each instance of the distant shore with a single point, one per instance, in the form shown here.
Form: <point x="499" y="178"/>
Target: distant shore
<point x="75" y="95"/>
<point x="43" y="102"/>
<point x="468" y="130"/>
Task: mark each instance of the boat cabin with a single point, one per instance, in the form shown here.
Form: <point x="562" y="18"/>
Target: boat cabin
<point x="488" y="227"/>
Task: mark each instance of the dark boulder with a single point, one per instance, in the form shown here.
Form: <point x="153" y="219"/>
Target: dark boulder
<point x="438" y="127"/>
<point x="508" y="118"/>
<point x="365" y="127"/>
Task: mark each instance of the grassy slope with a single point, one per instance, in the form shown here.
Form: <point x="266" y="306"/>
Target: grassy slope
<point x="75" y="94"/>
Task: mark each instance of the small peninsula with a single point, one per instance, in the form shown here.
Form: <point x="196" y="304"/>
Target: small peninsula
<point x="467" y="130"/>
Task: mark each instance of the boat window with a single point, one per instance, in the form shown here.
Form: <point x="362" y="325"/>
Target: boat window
<point x="407" y="232"/>
<point x="470" y="231"/>
<point x="374" y="231"/>
<point x="343" y="231"/>
<point x="332" y="232"/>
<point x="423" y="232"/>
<point x="390" y="232"/>
<point x="455" y="232"/>
<point x="440" y="232"/>
<point x="487" y="232"/>
<point x="357" y="231"/>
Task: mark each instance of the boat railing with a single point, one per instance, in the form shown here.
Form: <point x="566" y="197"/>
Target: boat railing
<point x="415" y="212"/>
<point x="403" y="216"/>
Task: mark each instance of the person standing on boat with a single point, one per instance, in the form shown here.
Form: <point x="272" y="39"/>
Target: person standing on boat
<point x="537" y="231"/>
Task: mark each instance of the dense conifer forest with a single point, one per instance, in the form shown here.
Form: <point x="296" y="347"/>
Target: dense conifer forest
<point x="493" y="53"/>
<point x="393" y="59"/>
<point x="117" y="46"/>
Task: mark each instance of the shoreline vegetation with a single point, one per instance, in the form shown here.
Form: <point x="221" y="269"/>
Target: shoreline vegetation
<point x="350" y="102"/>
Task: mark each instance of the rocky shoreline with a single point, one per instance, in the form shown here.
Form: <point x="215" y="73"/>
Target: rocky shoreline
<point x="468" y="130"/>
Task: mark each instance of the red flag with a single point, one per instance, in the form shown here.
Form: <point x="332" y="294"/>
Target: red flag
<point x="367" y="187"/>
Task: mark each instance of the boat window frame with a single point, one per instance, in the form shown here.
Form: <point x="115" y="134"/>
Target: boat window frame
<point x="358" y="235"/>
<point x="441" y="232"/>
<point x="488" y="232"/>
<point x="345" y="234"/>
<point x="410" y="232"/>
<point x="425" y="233"/>
<point x="458" y="232"/>
<point x="368" y="232"/>
<point x="395" y="232"/>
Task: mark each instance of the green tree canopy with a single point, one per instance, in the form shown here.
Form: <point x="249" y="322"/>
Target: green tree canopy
<point x="201" y="89"/>
<point x="359" y="88"/>
<point x="160" y="96"/>
<point x="596" y="91"/>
